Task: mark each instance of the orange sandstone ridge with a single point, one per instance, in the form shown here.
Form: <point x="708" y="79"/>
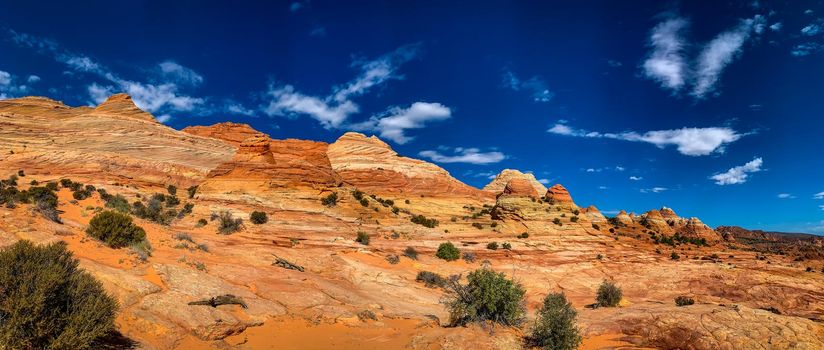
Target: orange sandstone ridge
<point x="348" y="295"/>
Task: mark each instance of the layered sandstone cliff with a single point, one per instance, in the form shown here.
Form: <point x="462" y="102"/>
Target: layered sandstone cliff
<point x="505" y="176"/>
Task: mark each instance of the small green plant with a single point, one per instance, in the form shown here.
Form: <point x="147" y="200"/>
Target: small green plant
<point x="523" y="235"/>
<point x="258" y="217"/>
<point x="393" y="259"/>
<point x="469" y="257"/>
<point x="477" y="225"/>
<point x="172" y="189"/>
<point x="609" y="295"/>
<point x="47" y="302"/>
<point x="555" y="326"/>
<point x="682" y="300"/>
<point x="557" y="221"/>
<point x="201" y="222"/>
<point x="115" y="229"/>
<point x="192" y="191"/>
<point x="431" y="279"/>
<point x="448" y="252"/>
<point x="424" y="221"/>
<point x="488" y="296"/>
<point x="411" y="253"/>
<point x="364" y="202"/>
<point x="506" y="246"/>
<point x="675" y="256"/>
<point x="573" y="219"/>
<point x="595" y="226"/>
<point x="363" y="238"/>
<point x="228" y="224"/>
<point x="492" y="246"/>
<point x="331" y="200"/>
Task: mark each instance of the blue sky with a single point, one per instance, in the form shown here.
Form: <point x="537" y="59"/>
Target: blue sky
<point x="715" y="110"/>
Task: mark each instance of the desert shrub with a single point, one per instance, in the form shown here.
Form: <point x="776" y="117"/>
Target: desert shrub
<point x="202" y="222"/>
<point x="183" y="236"/>
<point x="187" y="209"/>
<point x="424" y="221"/>
<point x="115" y="229"/>
<point x="431" y="279"/>
<point x="595" y="226"/>
<point x="258" y="217"/>
<point x="34" y="183"/>
<point x="192" y="190"/>
<point x="52" y="186"/>
<point x="557" y="221"/>
<point x="119" y="203"/>
<point x="609" y="295"/>
<point x="411" y="253"/>
<point x="395" y="210"/>
<point x="331" y="200"/>
<point x="172" y="201"/>
<point x="675" y="256"/>
<point x="523" y="235"/>
<point x="406" y="201"/>
<point x="469" y="257"/>
<point x="82" y="193"/>
<point x="357" y="194"/>
<point x="46" y="302"/>
<point x="555" y="326"/>
<point x="393" y="259"/>
<point x="172" y="189"/>
<point x="142" y="249"/>
<point x="573" y="219"/>
<point x="363" y="238"/>
<point x="506" y="246"/>
<point x="488" y="296"/>
<point x="492" y="246"/>
<point x="66" y="183"/>
<point x="228" y="224"/>
<point x="611" y="230"/>
<point x="45" y="201"/>
<point x="599" y="257"/>
<point x="154" y="211"/>
<point x="12" y="181"/>
<point x="21" y="173"/>
<point x="477" y="225"/>
<point x="683" y="301"/>
<point x="448" y="252"/>
<point x="364" y="202"/>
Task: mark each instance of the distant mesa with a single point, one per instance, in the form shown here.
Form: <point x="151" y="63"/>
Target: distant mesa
<point x="497" y="185"/>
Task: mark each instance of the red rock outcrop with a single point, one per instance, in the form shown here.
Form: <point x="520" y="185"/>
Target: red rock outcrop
<point x="372" y="166"/>
<point x="519" y="187"/>
<point x="121" y="105"/>
<point x="558" y="195"/>
<point x="694" y="228"/>
<point x="499" y="183"/>
<point x="593" y="214"/>
<point x="233" y="133"/>
<point x="623" y="218"/>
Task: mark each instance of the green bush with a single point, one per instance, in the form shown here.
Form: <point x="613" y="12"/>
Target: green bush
<point x="228" y="224"/>
<point x="506" y="246"/>
<point x="675" y="256"/>
<point x="431" y="279"/>
<point x="331" y="200"/>
<point x="258" y="217"/>
<point x="609" y="295"/>
<point x="423" y="220"/>
<point x="364" y="202"/>
<point x="557" y="221"/>
<point x="192" y="190"/>
<point x="46" y="302"/>
<point x="115" y="229"/>
<point x="488" y="296"/>
<point x="683" y="301"/>
<point x="45" y="201"/>
<point x="595" y="226"/>
<point x="469" y="257"/>
<point x="202" y="222"/>
<point x="411" y="253"/>
<point x="555" y="326"/>
<point x="172" y="189"/>
<point x="523" y="235"/>
<point x="118" y="203"/>
<point x="363" y="238"/>
<point x="448" y="252"/>
<point x="492" y="246"/>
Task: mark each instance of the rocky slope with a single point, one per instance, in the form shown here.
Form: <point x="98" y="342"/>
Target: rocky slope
<point x="499" y="182"/>
<point x="352" y="296"/>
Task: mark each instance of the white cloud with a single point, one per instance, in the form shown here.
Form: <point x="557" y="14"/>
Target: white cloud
<point x="819" y="195"/>
<point x="9" y="87"/>
<point x="164" y="118"/>
<point x="776" y="26"/>
<point x="811" y="30"/>
<point x="821" y="207"/>
<point x="296" y="6"/>
<point x="739" y="174"/>
<point x="689" y="141"/>
<point x="238" y="108"/>
<point x="666" y="62"/>
<point x="332" y="111"/>
<point x="720" y="52"/>
<point x="805" y="49"/>
<point x="785" y="196"/>
<point x="544" y="181"/>
<point x="393" y="124"/>
<point x="178" y="73"/>
<point x="5" y="78"/>
<point x="465" y="155"/>
<point x="535" y="86"/>
<point x="603" y="187"/>
<point x="32" y="79"/>
<point x="636" y="178"/>
<point x="153" y="97"/>
<point x="653" y="190"/>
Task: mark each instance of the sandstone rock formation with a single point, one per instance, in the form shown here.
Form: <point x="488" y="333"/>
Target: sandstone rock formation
<point x="558" y="195"/>
<point x="594" y="215"/>
<point x="518" y="187"/>
<point x="121" y="105"/>
<point x="623" y="218"/>
<point x="497" y="185"/>
<point x="232" y="133"/>
<point x="372" y="166"/>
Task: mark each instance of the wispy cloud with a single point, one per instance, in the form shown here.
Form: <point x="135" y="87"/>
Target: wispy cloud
<point x="393" y="123"/>
<point x="598" y="170"/>
<point x="10" y="87"/>
<point x="334" y="109"/>
<point x="464" y="155"/>
<point x="689" y="141"/>
<point x="535" y="86"/>
<point x="636" y="178"/>
<point x="819" y="195"/>
<point x="738" y="174"/>
<point x="811" y="30"/>
<point x="785" y="196"/>
<point x="653" y="190"/>
<point x="544" y="181"/>
<point x="158" y="96"/>
<point x="668" y="62"/>
<point x="804" y="49"/>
